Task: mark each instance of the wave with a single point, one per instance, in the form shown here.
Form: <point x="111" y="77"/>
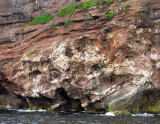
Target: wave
<point x="144" y="115"/>
<point x="106" y="114"/>
<point x="28" y="110"/>
<point x="23" y="110"/>
<point x="109" y="114"/>
<point x="9" y="107"/>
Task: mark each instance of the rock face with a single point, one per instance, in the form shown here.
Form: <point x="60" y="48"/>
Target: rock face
<point x="94" y="64"/>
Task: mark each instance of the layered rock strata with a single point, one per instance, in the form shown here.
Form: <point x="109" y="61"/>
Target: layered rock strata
<point x="94" y="63"/>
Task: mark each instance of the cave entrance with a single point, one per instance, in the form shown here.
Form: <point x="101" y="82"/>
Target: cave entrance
<point x="70" y="104"/>
<point x="61" y="94"/>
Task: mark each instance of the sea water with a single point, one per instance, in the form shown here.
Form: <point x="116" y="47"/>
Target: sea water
<point x="25" y="116"/>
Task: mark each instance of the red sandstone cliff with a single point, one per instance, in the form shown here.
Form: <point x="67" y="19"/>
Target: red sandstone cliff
<point x="92" y="64"/>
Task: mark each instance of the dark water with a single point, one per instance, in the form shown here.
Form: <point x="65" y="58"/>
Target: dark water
<point x="42" y="117"/>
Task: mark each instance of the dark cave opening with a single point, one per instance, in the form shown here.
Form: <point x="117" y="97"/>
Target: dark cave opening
<point x="34" y="74"/>
<point x="61" y="94"/>
<point x="70" y="103"/>
<point x="8" y="97"/>
<point x="3" y="90"/>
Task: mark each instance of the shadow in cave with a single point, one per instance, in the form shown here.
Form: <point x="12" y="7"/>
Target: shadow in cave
<point x="34" y="74"/>
<point x="69" y="104"/>
<point x="8" y="97"/>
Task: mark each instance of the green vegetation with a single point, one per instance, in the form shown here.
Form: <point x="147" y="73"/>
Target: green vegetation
<point x="43" y="19"/>
<point x="124" y="8"/>
<point x="127" y="6"/>
<point x="23" y="25"/>
<point x="86" y="6"/>
<point x="123" y="0"/>
<point x="111" y="15"/>
<point x="70" y="9"/>
<point x="52" y="27"/>
<point x="99" y="4"/>
<point x="36" y="41"/>
<point x="31" y="53"/>
<point x="109" y="1"/>
<point x="37" y="107"/>
<point x="67" y="22"/>
<point x="104" y="1"/>
<point x="2" y="106"/>
<point x="108" y="11"/>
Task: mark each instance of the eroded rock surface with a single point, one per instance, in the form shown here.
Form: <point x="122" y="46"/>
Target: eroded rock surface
<point x="93" y="64"/>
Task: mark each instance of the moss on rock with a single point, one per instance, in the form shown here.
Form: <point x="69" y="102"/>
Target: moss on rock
<point x="144" y="102"/>
<point x="38" y="107"/>
<point x="3" y="106"/>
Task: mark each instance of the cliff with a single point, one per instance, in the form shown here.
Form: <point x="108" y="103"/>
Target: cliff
<point x="95" y="56"/>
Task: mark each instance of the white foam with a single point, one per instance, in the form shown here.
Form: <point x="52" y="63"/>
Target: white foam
<point x="109" y="114"/>
<point x="27" y="110"/>
<point x="8" y="107"/>
<point x="144" y="115"/>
